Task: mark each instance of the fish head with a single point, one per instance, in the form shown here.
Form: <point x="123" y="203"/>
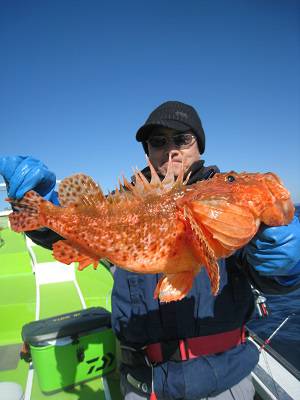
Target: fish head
<point x="263" y="194"/>
<point x="230" y="207"/>
<point x="280" y="209"/>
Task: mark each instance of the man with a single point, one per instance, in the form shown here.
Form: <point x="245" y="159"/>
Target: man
<point x="155" y="337"/>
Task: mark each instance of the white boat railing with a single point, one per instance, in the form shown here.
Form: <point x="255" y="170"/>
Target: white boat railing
<point x="274" y="377"/>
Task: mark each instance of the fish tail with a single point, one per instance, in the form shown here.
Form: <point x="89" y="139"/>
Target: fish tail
<point x="26" y="214"/>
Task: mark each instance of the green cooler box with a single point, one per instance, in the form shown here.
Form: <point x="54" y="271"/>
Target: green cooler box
<point x="71" y="348"/>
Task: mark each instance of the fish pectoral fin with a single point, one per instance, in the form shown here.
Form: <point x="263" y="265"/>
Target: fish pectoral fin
<point x="230" y="226"/>
<point x="203" y="252"/>
<point x="64" y="252"/>
<point x="172" y="287"/>
<point x="213" y="273"/>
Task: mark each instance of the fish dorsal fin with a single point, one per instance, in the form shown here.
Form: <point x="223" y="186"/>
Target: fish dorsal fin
<point x="142" y="187"/>
<point x="155" y="181"/>
<point x="79" y="189"/>
<point x="169" y="179"/>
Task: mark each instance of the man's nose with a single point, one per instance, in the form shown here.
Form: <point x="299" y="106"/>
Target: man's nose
<point x="173" y="151"/>
<point x="171" y="146"/>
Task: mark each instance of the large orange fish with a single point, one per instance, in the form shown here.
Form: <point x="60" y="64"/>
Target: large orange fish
<point x="158" y="227"/>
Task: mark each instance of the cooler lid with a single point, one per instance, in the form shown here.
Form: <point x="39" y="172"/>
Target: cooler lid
<point x="70" y="324"/>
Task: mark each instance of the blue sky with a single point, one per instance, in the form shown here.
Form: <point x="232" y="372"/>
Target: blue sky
<point x="78" y="78"/>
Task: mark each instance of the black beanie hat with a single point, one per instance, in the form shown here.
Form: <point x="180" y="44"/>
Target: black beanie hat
<point x="174" y="115"/>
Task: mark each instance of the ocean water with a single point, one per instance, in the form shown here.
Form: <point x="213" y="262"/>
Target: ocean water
<point x="287" y="340"/>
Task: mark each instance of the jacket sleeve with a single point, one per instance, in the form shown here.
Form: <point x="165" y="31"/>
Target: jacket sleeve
<point x="44" y="237"/>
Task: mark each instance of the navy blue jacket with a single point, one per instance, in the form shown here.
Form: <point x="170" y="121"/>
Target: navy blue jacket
<point x="138" y="319"/>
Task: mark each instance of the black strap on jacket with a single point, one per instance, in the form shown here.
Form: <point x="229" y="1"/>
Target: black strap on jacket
<point x="268" y="285"/>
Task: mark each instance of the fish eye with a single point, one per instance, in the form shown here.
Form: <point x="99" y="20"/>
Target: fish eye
<point x="230" y="178"/>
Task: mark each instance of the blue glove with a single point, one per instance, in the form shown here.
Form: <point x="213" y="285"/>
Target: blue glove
<point x="276" y="250"/>
<point x="22" y="174"/>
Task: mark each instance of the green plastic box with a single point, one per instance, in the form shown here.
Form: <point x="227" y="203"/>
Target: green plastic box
<point x="71" y="348"/>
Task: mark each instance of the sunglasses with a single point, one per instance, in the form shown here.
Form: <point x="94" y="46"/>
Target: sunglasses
<point x="182" y="140"/>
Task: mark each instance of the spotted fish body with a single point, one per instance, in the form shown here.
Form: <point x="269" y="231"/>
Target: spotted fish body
<point x="158" y="227"/>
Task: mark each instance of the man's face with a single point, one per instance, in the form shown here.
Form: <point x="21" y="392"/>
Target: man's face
<point x="181" y="148"/>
